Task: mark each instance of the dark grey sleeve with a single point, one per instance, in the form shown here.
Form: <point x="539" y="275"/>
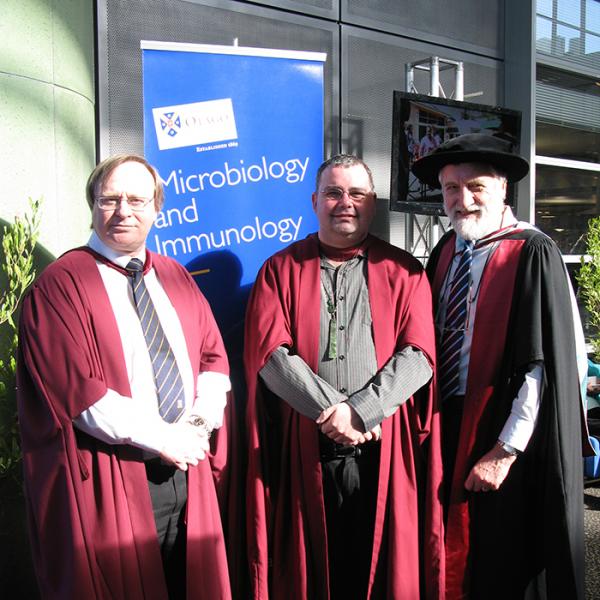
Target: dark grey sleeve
<point x="290" y="378"/>
<point x="407" y="371"/>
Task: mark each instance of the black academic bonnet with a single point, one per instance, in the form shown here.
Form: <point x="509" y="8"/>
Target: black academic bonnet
<point x="471" y="148"/>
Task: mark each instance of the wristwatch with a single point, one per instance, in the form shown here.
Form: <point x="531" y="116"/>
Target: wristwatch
<point x="508" y="448"/>
<point x="198" y="421"/>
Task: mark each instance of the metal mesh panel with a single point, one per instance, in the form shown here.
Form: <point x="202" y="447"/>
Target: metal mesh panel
<point x="373" y="69"/>
<point x="322" y="8"/>
<point x="372" y="62"/>
<point x="129" y="21"/>
<point x="467" y="21"/>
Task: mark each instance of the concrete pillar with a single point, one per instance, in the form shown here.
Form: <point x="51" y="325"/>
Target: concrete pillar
<point x="519" y="89"/>
<point x="47" y="121"/>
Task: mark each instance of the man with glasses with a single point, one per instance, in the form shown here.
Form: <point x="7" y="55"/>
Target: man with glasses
<point x="344" y="458"/>
<point x="122" y="378"/>
<point x="508" y="382"/>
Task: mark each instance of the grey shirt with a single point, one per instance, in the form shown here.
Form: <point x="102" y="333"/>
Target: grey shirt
<point x="350" y="374"/>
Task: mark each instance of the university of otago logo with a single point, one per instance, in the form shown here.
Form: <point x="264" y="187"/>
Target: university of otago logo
<point x="171" y="123"/>
<point x="194" y="124"/>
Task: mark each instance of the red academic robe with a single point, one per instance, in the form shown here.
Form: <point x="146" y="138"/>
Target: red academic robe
<point x="287" y="541"/>
<point x="90" y="515"/>
<point x="527" y="537"/>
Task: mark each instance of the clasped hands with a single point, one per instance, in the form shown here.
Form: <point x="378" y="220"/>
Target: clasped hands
<point x="184" y="445"/>
<point x="342" y="424"/>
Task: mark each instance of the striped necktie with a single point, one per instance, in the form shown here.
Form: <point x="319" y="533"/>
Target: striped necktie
<point x="169" y="386"/>
<point x="455" y="323"/>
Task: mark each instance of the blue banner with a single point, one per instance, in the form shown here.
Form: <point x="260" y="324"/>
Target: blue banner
<point x="237" y="137"/>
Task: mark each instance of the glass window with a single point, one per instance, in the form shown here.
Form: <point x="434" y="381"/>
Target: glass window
<point x="561" y="141"/>
<point x="569" y="39"/>
<point x="569" y="11"/>
<point x="544" y="7"/>
<point x="543" y="35"/>
<point x="569" y="30"/>
<point x="592" y="43"/>
<point x="592" y="16"/>
<point x="568" y="115"/>
<point x="565" y="200"/>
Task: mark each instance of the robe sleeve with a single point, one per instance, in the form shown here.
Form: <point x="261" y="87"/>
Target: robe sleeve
<point x="58" y="377"/>
<point x="57" y="349"/>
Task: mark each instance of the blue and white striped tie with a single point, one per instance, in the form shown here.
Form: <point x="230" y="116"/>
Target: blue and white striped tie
<point x="169" y="386"/>
<point x="454" y="326"/>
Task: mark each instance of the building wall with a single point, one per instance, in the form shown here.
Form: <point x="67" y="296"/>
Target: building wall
<point x="47" y="118"/>
<point x="368" y="44"/>
<point x="47" y="100"/>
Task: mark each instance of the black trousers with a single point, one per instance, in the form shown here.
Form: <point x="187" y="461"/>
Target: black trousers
<point x="168" y="492"/>
<point x="350" y="480"/>
<point x="452" y="412"/>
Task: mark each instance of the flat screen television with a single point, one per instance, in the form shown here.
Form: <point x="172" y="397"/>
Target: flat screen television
<point x="419" y="124"/>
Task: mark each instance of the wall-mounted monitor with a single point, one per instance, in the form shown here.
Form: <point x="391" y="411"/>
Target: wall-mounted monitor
<point x="421" y="123"/>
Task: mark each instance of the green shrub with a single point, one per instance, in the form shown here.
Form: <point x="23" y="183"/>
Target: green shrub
<point x="18" y="243"/>
<point x="589" y="282"/>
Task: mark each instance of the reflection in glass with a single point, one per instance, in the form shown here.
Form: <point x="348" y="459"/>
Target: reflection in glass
<point x="592" y="16"/>
<point x="544" y="7"/>
<point x="572" y="143"/>
<point x="568" y="115"/>
<point x="592" y="43"/>
<point x="571" y="36"/>
<point x="569" y="39"/>
<point x="565" y="200"/>
<point x="569" y="12"/>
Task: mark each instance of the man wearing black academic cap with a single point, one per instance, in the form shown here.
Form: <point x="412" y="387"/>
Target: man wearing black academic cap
<point x="508" y="338"/>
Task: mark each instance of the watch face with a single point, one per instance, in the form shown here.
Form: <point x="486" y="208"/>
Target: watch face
<point x="198" y="421"/>
<point x="508" y="448"/>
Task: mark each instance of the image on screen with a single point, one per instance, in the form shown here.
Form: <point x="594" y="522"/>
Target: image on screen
<point x="420" y="124"/>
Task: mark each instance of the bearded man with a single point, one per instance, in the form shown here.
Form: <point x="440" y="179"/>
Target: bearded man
<point x="507" y="336"/>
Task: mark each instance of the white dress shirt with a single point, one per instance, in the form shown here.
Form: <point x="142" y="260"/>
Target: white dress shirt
<point x="116" y="419"/>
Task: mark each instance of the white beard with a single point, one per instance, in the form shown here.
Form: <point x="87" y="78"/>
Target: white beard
<point x="473" y="229"/>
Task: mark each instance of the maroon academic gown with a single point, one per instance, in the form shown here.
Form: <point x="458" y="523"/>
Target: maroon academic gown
<point x="526" y="539"/>
<point x="92" y="528"/>
<point x="287" y="540"/>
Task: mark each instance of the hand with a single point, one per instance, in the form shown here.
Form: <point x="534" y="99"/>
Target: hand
<point x="374" y="434"/>
<point x="184" y="445"/>
<point x="342" y="424"/>
<point x="593" y="388"/>
<point x="490" y="471"/>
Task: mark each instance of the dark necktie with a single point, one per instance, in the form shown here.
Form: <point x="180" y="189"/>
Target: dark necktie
<point x="169" y="386"/>
<point x="453" y="333"/>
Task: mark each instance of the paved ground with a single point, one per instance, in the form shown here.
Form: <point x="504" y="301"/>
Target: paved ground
<point x="592" y="540"/>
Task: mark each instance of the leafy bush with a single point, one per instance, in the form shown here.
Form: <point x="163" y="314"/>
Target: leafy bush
<point x="18" y="243"/>
<point x="589" y="282"/>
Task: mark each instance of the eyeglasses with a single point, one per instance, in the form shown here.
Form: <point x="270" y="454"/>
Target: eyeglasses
<point x="111" y="202"/>
<point x="336" y="194"/>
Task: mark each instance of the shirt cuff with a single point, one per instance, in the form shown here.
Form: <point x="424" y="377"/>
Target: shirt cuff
<point x="211" y="397"/>
<point x="367" y="407"/>
<point x="519" y="426"/>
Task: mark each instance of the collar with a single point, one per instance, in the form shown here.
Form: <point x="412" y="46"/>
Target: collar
<point x="115" y="259"/>
<point x="344" y="254"/>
